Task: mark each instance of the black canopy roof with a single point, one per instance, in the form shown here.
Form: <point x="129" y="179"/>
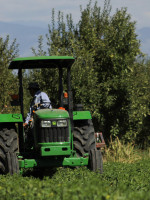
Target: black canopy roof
<point x="42" y="62"/>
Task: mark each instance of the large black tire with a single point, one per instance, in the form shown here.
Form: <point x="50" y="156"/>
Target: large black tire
<point x="95" y="161"/>
<point x="8" y="149"/>
<point x="84" y="142"/>
<point x="84" y="139"/>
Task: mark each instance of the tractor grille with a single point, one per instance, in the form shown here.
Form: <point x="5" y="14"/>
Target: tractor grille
<point x="53" y="134"/>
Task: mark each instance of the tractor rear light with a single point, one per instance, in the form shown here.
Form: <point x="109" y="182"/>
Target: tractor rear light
<point x="45" y="124"/>
<point x="62" y="123"/>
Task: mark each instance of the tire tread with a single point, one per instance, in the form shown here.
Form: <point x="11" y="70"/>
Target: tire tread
<point x="8" y="150"/>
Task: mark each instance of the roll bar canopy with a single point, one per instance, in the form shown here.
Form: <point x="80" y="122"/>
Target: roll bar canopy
<point x="42" y="62"/>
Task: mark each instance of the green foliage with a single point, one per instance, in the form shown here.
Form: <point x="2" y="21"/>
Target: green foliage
<point x="114" y="48"/>
<point x="8" y="84"/>
<point x="139" y="113"/>
<point x="119" y="181"/>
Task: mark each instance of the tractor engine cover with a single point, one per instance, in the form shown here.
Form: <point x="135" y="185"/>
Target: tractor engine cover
<point x="51" y="125"/>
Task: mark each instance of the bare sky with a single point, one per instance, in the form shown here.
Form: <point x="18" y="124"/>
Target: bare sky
<point x="28" y="11"/>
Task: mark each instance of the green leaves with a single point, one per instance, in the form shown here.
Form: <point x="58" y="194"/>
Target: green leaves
<point x="119" y="180"/>
<point x="8" y="80"/>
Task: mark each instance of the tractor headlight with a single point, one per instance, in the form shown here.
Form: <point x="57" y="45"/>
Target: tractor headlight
<point x="62" y="123"/>
<point x="45" y="124"/>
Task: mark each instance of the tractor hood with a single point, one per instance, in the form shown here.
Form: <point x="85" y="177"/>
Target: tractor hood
<point x="51" y="114"/>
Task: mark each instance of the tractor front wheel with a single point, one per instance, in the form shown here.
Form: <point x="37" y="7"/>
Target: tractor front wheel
<point x="8" y="150"/>
<point x="95" y="161"/>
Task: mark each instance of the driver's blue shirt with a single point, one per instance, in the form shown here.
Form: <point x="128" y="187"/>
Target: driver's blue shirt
<point x="39" y="98"/>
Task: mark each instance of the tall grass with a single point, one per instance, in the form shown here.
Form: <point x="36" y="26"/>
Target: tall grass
<point x="119" y="151"/>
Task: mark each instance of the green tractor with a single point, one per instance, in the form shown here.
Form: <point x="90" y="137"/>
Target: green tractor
<point x="58" y="137"/>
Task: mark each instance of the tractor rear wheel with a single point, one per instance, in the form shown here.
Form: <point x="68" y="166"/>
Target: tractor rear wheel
<point x="84" y="142"/>
<point x="8" y="150"/>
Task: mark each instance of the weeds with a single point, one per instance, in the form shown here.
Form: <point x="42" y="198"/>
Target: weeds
<point x="118" y="151"/>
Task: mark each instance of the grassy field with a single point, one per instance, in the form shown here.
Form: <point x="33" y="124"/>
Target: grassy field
<point x="118" y="182"/>
<point x="126" y="177"/>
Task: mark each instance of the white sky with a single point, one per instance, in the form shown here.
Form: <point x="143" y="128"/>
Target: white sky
<point x="28" y="11"/>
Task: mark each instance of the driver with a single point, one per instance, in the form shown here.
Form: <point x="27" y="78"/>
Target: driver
<point x="40" y="100"/>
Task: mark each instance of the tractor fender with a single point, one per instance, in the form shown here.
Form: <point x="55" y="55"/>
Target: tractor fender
<point x="81" y="115"/>
<point x="11" y="118"/>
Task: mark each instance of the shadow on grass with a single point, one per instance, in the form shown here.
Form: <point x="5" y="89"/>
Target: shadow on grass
<point x="39" y="173"/>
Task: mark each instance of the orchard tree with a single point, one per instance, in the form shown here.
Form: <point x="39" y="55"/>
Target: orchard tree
<point x="139" y="107"/>
<point x="8" y="79"/>
<point x="113" y="43"/>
